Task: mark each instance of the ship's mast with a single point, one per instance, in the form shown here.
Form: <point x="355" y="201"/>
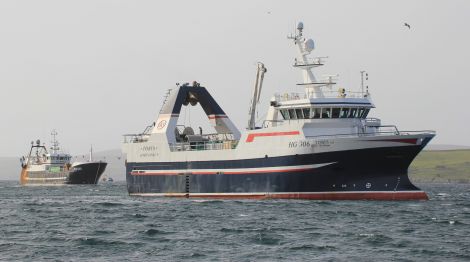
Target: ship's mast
<point x="54" y="142"/>
<point x="362" y="82"/>
<point x="305" y="47"/>
<point x="91" y="154"/>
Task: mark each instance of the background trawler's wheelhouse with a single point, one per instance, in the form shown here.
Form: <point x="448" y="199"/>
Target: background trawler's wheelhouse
<point x="315" y="145"/>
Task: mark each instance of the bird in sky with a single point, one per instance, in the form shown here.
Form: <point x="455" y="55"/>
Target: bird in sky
<point x="408" y="25"/>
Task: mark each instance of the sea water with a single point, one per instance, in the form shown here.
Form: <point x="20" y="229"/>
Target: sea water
<point x="103" y="223"/>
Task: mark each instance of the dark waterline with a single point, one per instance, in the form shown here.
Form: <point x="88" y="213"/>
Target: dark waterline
<point x="102" y="223"/>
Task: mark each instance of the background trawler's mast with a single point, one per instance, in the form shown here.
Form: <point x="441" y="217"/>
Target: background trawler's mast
<point x="54" y="143"/>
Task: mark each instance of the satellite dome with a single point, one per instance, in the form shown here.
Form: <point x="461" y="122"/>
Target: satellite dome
<point x="300" y="26"/>
<point x="309" y="45"/>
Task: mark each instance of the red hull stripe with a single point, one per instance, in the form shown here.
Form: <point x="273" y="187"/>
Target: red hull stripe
<point x="404" y="140"/>
<point x="246" y="172"/>
<point x="251" y="137"/>
<point x="396" y="195"/>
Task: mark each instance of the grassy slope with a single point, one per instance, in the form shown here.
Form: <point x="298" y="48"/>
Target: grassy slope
<point x="441" y="166"/>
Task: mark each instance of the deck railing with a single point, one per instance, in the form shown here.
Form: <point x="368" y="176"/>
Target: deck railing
<point x="206" y="145"/>
<point x="326" y="94"/>
<point x="392" y="131"/>
<point x="135" y="138"/>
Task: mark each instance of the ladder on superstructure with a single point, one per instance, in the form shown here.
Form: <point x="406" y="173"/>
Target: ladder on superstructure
<point x="150" y="127"/>
<point x="165" y="99"/>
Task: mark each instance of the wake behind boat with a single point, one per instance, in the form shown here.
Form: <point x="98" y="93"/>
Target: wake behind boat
<point x="315" y="145"/>
<point x="43" y="168"/>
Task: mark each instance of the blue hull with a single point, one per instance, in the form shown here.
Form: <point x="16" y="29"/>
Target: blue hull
<point x="355" y="171"/>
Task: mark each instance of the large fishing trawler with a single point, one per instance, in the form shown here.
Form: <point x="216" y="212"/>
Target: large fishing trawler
<point x="315" y="145"/>
<point x="41" y="167"/>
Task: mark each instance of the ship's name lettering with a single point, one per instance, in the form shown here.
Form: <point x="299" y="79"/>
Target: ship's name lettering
<point x="310" y="143"/>
<point x="148" y="148"/>
<point x="147" y="155"/>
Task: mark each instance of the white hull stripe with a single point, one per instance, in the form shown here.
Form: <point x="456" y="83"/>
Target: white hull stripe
<point x="45" y="179"/>
<point x="235" y="171"/>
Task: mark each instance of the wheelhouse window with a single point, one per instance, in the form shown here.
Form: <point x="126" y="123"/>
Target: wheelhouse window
<point x="292" y="114"/>
<point x="352" y="112"/>
<point x="298" y="112"/>
<point x="366" y="112"/>
<point x="285" y="114"/>
<point x="360" y="112"/>
<point x="335" y="112"/>
<point x="326" y="113"/>
<point x="344" y="112"/>
<point x="316" y="113"/>
<point x="306" y="112"/>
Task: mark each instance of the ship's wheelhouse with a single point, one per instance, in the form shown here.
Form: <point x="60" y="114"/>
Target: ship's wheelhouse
<point x="323" y="112"/>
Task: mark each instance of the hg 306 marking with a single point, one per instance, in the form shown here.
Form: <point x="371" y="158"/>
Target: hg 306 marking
<point x="311" y="143"/>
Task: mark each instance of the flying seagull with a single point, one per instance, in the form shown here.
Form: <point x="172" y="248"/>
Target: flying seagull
<point x="408" y="25"/>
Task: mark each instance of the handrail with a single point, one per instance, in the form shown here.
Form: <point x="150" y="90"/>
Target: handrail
<point x="143" y="137"/>
<point x="282" y="97"/>
<point x="135" y="138"/>
<point x="205" y="145"/>
<point x="396" y="133"/>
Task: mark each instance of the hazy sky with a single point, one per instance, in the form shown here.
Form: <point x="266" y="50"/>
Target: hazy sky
<point x="95" y="70"/>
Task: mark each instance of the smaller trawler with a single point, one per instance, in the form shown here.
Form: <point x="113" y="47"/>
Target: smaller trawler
<point x="41" y="167"/>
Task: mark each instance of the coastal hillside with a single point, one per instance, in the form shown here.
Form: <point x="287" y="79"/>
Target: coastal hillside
<point x="441" y="166"/>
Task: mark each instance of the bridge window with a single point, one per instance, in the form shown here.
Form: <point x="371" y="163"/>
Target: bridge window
<point x="360" y="112"/>
<point x="326" y="113"/>
<point x="284" y="114"/>
<point x="316" y="113"/>
<point x="292" y="114"/>
<point x="352" y="113"/>
<point x="306" y="113"/>
<point x="335" y="112"/>
<point x="298" y="112"/>
<point x="366" y="112"/>
<point x="344" y="112"/>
